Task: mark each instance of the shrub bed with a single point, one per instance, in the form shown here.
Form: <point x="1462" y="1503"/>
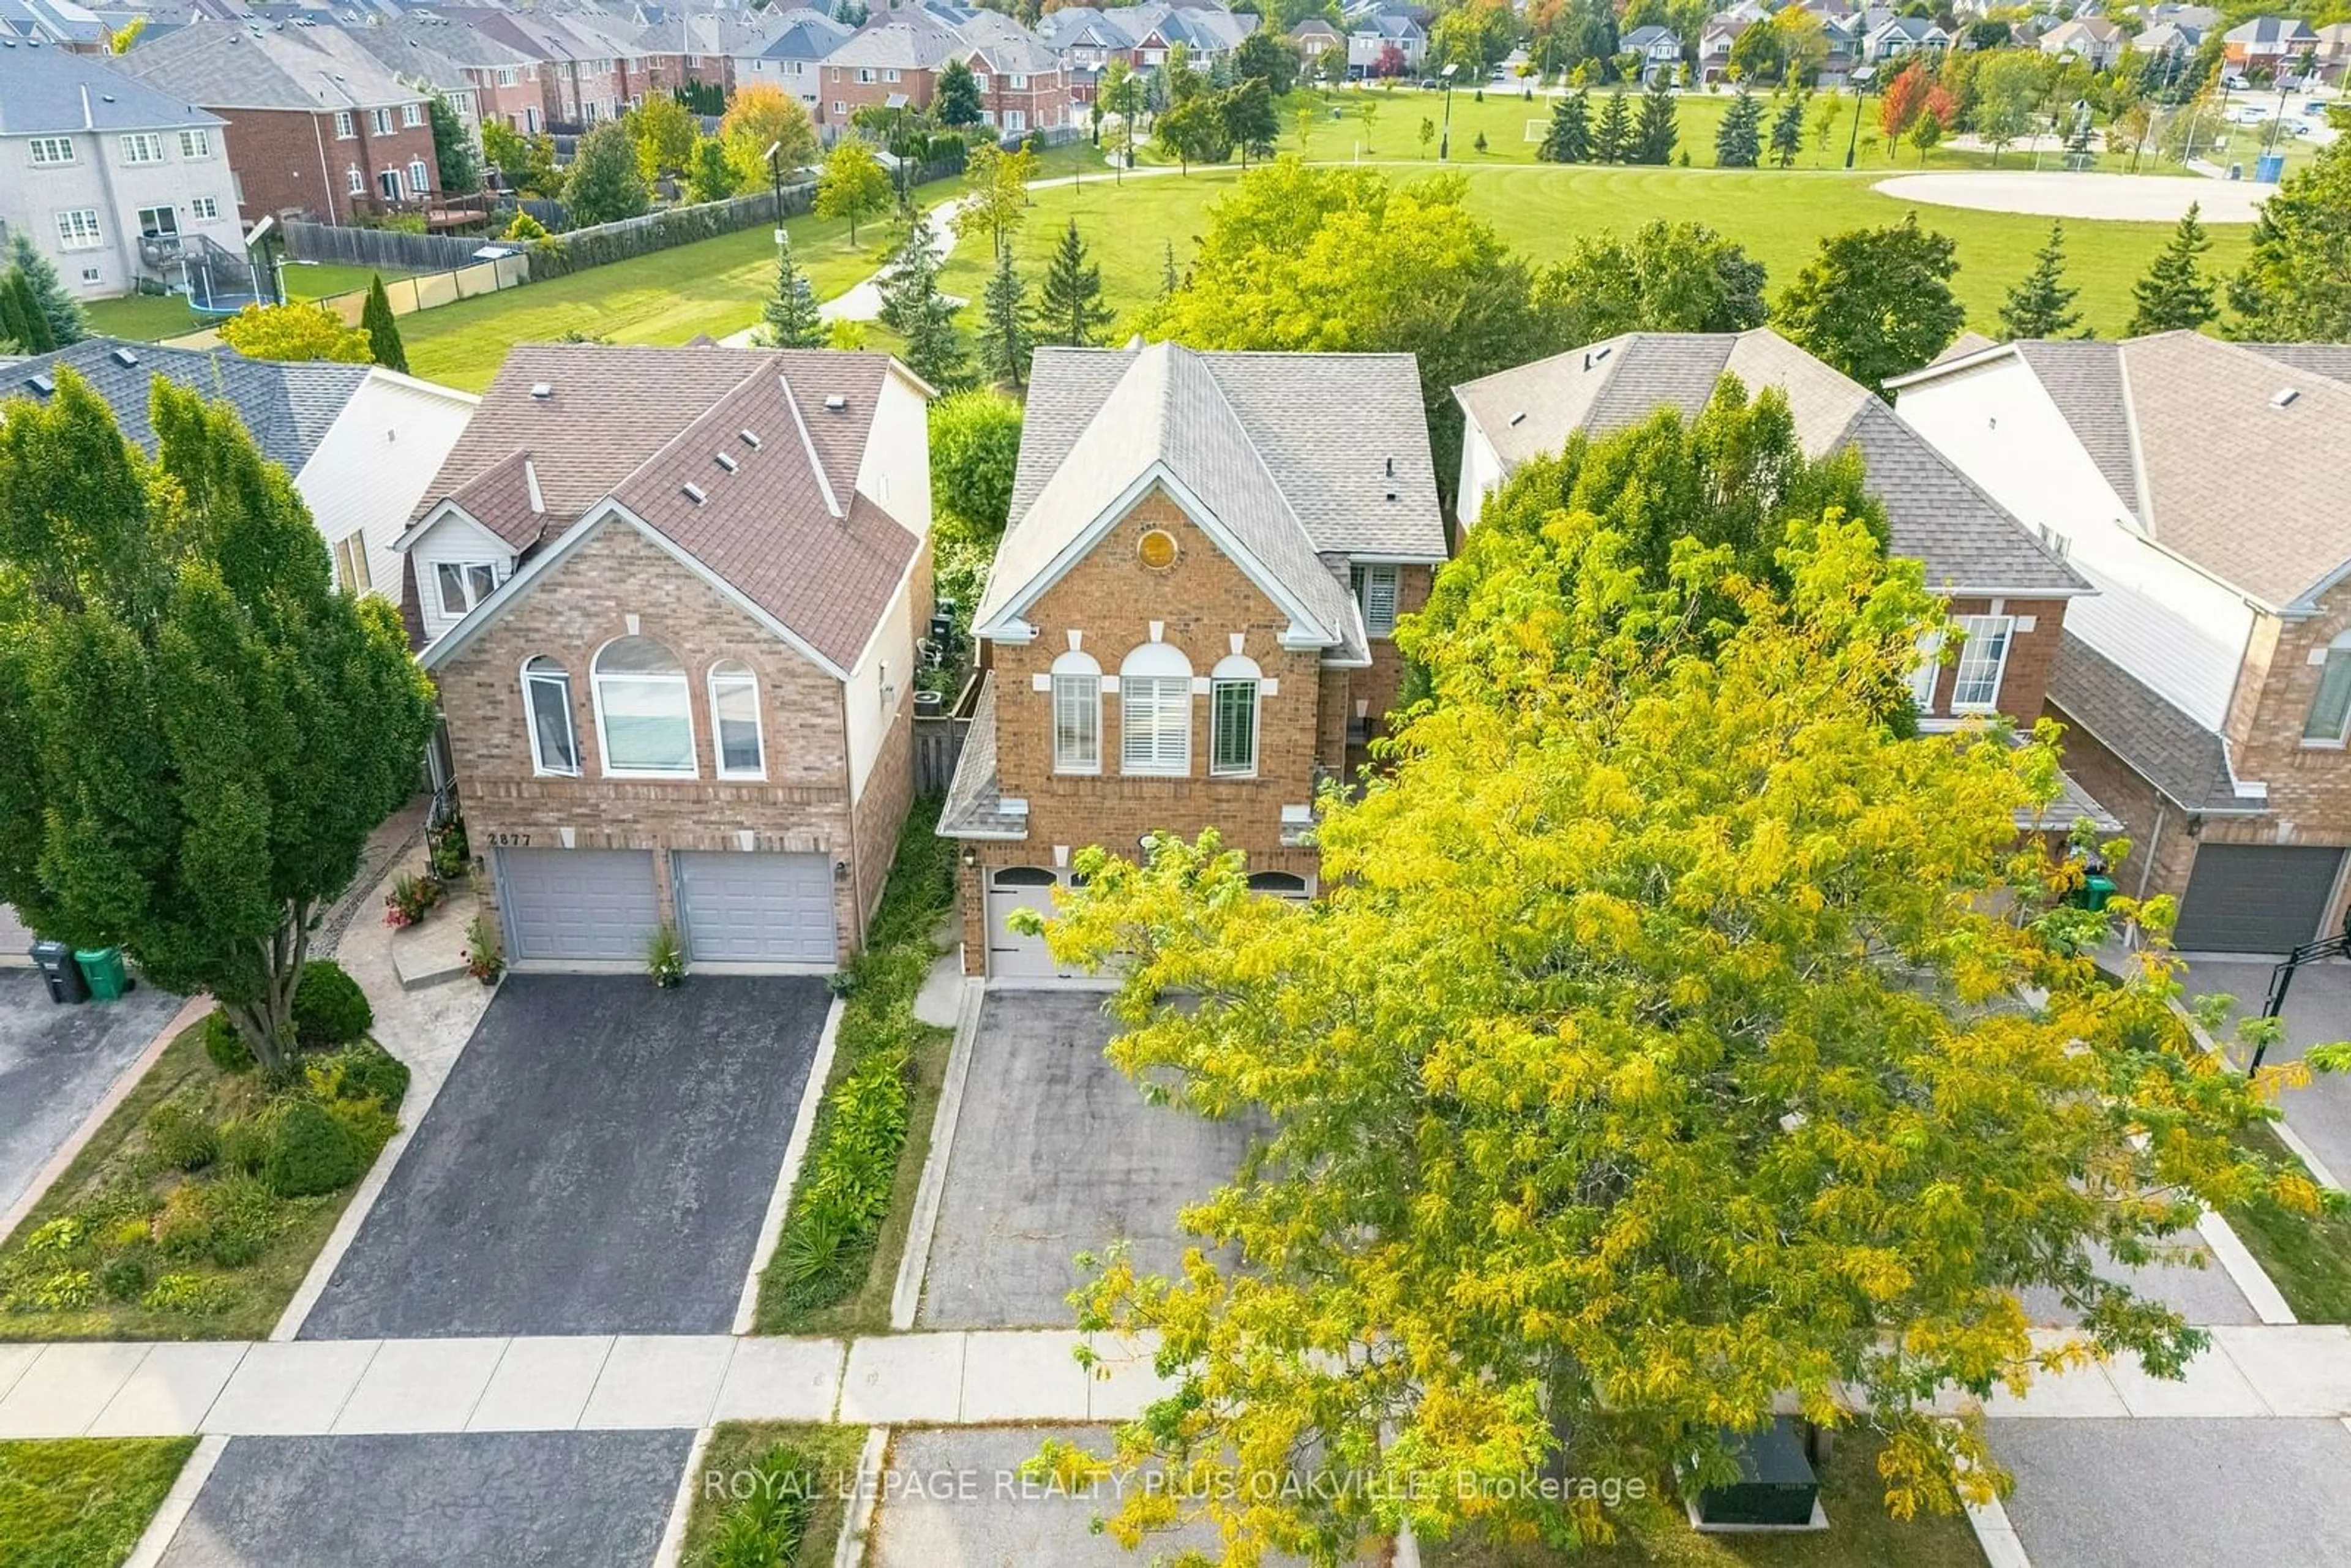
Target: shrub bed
<point x="197" y="1209"/>
<point x="885" y="1066"/>
<point x="771" y="1495"/>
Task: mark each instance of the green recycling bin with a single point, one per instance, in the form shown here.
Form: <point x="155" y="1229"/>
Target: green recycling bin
<point x="102" y="967"/>
<point x="2095" y="892"/>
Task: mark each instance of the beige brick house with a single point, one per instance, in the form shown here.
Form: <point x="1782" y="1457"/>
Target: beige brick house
<point x="1187" y="624"/>
<point x="2207" y="687"/>
<point x="670" y="599"/>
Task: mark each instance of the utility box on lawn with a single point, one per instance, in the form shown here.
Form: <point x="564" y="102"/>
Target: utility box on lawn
<point x="59" y="972"/>
<point x="1777" y="1490"/>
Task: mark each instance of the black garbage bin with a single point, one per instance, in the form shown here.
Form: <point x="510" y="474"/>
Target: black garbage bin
<point x="59" y="968"/>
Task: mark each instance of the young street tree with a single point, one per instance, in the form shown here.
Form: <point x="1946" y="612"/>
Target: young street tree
<point x="202" y="732"/>
<point x="303" y="330"/>
<point x="1660" y="1029"/>
<point x="2041" y="306"/>
<point x="996" y="196"/>
<point x="382" y="328"/>
<point x="912" y="306"/>
<point x="1612" y="138"/>
<point x="2297" y="284"/>
<point x="1069" y="308"/>
<point x="710" y="175"/>
<point x="2174" y="293"/>
<point x="957" y="101"/>
<point x="1739" y="141"/>
<point x="1004" y="336"/>
<point x="759" y="116"/>
<point x="1875" y="303"/>
<point x="1655" y="135"/>
<point x="852" y="184"/>
<point x="1788" y="131"/>
<point x="1568" y="138"/>
<point x="605" y="184"/>
<point x="664" y="134"/>
<point x="792" y="318"/>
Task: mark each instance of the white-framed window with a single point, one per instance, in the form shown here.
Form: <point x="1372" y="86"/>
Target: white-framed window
<point x="1375" y="592"/>
<point x="351" y="573"/>
<point x="1077" y="713"/>
<point x="1014" y="119"/>
<point x="864" y="76"/>
<point x="889" y="76"/>
<point x="980" y="79"/>
<point x="1015" y="82"/>
<point x="158" y="223"/>
<point x="2330" y="706"/>
<point x="507" y="76"/>
<point x="838" y="109"/>
<point x="78" y="228"/>
<point x="1924" y="674"/>
<point x="91" y="275"/>
<point x="1154" y="711"/>
<point x="735" y="715"/>
<point x="411" y="115"/>
<point x="142" y="147"/>
<point x="1982" y="657"/>
<point x="644" y="720"/>
<point x="195" y="144"/>
<point x="547" y="701"/>
<point x="345" y="127"/>
<point x="381" y="119"/>
<point x="420" y="178"/>
<point x="47" y="151"/>
<point x="387" y="184"/>
<point x="460" y="585"/>
<point x="354" y="182"/>
<point x="204" y="208"/>
<point x="1232" y="718"/>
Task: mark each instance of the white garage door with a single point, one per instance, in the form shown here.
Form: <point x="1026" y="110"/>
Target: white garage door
<point x="578" y="905"/>
<point x="755" y="908"/>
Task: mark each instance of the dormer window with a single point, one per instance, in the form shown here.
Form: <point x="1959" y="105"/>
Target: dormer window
<point x="462" y="585"/>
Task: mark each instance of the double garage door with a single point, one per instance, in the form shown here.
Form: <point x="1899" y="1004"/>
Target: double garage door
<point x="2255" y="898"/>
<point x="600" y="906"/>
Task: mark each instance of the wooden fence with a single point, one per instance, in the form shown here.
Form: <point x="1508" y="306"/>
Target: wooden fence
<point x="938" y="745"/>
<point x="385" y="250"/>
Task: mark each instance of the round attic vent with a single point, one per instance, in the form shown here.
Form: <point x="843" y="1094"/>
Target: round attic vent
<point x="1157" y="549"/>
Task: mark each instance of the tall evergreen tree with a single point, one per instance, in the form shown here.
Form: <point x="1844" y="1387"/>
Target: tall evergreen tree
<point x="26" y="323"/>
<point x="384" y="331"/>
<point x="2296" y="284"/>
<point x="14" y="333"/>
<point x="1569" y="140"/>
<point x="791" y="315"/>
<point x="67" y="326"/>
<point x="957" y="101"/>
<point x="1738" y="140"/>
<point x="1611" y="139"/>
<point x="2175" y="292"/>
<point x="1004" y="336"/>
<point x="1788" y="130"/>
<point x="1654" y="136"/>
<point x="2041" y="306"/>
<point x="912" y="306"/>
<point x="1070" y="307"/>
<point x="453" y="150"/>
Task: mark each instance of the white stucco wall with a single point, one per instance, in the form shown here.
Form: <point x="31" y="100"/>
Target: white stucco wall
<point x="372" y="468"/>
<point x="2172" y="625"/>
<point x="31" y="198"/>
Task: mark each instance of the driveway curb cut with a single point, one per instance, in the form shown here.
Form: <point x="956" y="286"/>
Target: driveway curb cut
<point x="193" y="1009"/>
<point x="671" y="1550"/>
<point x="796" y="1148"/>
<point x="156" y="1539"/>
<point x="906" y="1297"/>
<point x="857" y="1523"/>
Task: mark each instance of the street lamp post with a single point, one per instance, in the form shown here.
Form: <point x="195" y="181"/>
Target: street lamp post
<point x="1860" y="98"/>
<point x="775" y="159"/>
<point x="1445" y="142"/>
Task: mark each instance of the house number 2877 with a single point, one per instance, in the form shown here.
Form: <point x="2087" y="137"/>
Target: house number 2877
<point x="511" y="841"/>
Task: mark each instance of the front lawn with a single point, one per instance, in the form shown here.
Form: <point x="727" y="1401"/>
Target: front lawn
<point x="199" y="1206"/>
<point x="1860" y="1534"/>
<point x="82" y="1502"/>
<point x="836" y="1262"/>
<point x="2306" y="1256"/>
<point x="771" y="1493"/>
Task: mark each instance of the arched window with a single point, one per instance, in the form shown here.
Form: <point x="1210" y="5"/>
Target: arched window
<point x="735" y="715"/>
<point x="644" y="723"/>
<point x="1077" y="713"/>
<point x="1232" y="718"/>
<point x="546" y="699"/>
<point x="1279" y="883"/>
<point x="1154" y="711"/>
<point x="2330" y="706"/>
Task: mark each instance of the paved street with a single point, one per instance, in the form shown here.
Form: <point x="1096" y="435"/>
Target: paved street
<point x="57" y="1062"/>
<point x="1057" y="1153"/>
<point x="2317" y="1010"/>
<point x="600" y="1161"/>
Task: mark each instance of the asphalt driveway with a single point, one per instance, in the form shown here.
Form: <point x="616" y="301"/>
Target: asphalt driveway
<point x="2317" y="1012"/>
<point x="1057" y="1153"/>
<point x="57" y="1062"/>
<point x="599" y="1162"/>
<point x="519" y="1499"/>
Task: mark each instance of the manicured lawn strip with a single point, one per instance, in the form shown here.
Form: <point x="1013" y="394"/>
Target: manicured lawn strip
<point x="82" y="1502"/>
<point x="325" y="279"/>
<point x="1860" y="1534"/>
<point x="253" y="1296"/>
<point x="865" y="1158"/>
<point x="143" y="318"/>
<point x="2306" y="1256"/>
<point x="733" y="1464"/>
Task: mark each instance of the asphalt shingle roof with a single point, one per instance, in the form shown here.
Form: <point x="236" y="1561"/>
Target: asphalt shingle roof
<point x="223" y="65"/>
<point x="1936" y="514"/>
<point x="289" y="407"/>
<point x="43" y="90"/>
<point x="975" y="802"/>
<point x="2188" y="763"/>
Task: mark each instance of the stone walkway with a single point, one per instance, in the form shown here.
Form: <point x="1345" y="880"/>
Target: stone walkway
<point x="630" y="1383"/>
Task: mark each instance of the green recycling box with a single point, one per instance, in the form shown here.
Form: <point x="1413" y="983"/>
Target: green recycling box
<point x="102" y="967"/>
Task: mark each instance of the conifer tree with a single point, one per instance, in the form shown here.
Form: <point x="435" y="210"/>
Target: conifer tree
<point x="1739" y="141"/>
<point x="1569" y="140"/>
<point x="1654" y="136"/>
<point x="1788" y="130"/>
<point x="383" y="333"/>
<point x="1070" y="307"/>
<point x="2175" y="292"/>
<point x="791" y="315"/>
<point x="1168" y="278"/>
<point x="1004" y="336"/>
<point x="67" y="324"/>
<point x="2041" y="306"/>
<point x="26" y="323"/>
<point x="912" y="306"/>
<point x="1612" y="139"/>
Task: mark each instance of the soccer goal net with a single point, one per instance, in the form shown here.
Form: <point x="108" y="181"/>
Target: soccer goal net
<point x="1538" y="128"/>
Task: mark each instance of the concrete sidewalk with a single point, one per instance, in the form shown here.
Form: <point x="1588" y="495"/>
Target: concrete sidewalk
<point x="635" y="1382"/>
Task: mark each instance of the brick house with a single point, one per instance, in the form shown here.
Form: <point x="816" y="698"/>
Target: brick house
<point x="1186" y="625"/>
<point x="897" y="58"/>
<point x="670" y="598"/>
<point x="2206" y="689"/>
<point x="586" y="75"/>
<point x="483" y="78"/>
<point x="793" y="59"/>
<point x="315" y="124"/>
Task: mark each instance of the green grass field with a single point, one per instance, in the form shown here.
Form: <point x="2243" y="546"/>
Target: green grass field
<point x="82" y="1502"/>
<point x="149" y="318"/>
